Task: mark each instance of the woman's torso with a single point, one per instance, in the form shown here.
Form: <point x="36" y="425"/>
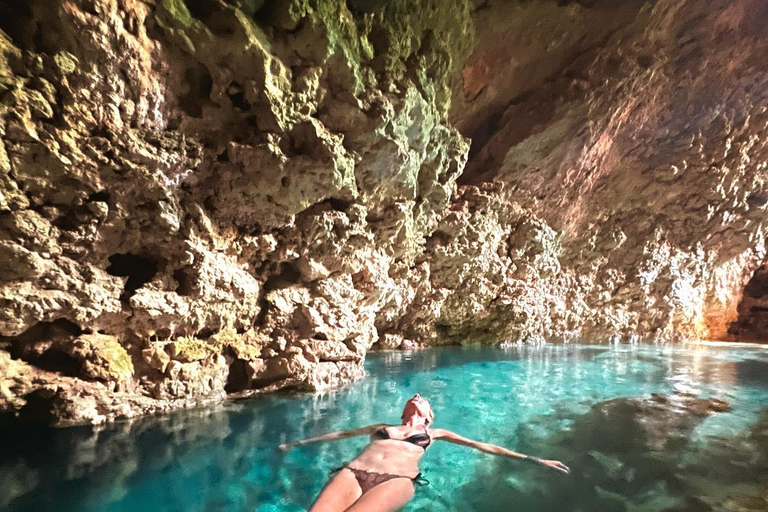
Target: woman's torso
<point x="395" y="450"/>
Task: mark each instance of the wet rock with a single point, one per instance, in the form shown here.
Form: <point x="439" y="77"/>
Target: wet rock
<point x="390" y="341"/>
<point x="276" y="185"/>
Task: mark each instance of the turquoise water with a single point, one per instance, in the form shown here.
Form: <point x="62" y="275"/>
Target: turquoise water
<point x="541" y="400"/>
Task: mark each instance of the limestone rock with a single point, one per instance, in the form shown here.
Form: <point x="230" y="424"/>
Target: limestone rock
<point x="156" y="357"/>
<point x="101" y="357"/>
<point x="242" y="197"/>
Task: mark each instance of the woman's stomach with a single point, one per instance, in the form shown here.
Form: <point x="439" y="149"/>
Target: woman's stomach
<point x="390" y="456"/>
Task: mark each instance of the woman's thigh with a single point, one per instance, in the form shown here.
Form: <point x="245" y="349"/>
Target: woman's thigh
<point x="386" y="497"/>
<point x="339" y="493"/>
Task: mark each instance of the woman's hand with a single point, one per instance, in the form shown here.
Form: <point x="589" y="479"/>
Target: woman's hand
<point x="555" y="464"/>
<point x="286" y="446"/>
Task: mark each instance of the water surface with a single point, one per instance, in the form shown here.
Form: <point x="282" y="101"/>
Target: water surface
<point x="535" y="399"/>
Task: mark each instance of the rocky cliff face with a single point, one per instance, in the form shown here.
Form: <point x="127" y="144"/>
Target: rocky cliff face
<point x="206" y="197"/>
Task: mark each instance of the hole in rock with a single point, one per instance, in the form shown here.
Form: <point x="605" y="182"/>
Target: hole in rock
<point x="756" y="199"/>
<point x="186" y="283"/>
<point x="237" y="96"/>
<point x="285" y="181"/>
<point x="266" y="13"/>
<point x="757" y="287"/>
<point x="137" y="269"/>
<point x="58" y="362"/>
<point x="204" y="333"/>
<point x="38" y="409"/>
<point x="320" y="336"/>
<point x="288" y="275"/>
<point x="338" y="204"/>
<point x="237" y="378"/>
<point x="163" y="334"/>
<point x="60" y="329"/>
<point x="66" y="222"/>
<point x="474" y="174"/>
<point x="752" y="322"/>
<point x="437" y="239"/>
<point x="102" y="197"/>
<point x="16" y="20"/>
<point x="27" y="346"/>
<point x="223" y="156"/>
<point x="199" y="86"/>
<point x="200" y="8"/>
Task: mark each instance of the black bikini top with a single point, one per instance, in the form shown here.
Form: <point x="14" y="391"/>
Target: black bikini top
<point x="420" y="439"/>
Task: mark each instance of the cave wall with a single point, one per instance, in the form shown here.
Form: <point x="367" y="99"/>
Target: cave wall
<point x="621" y="192"/>
<point x="205" y="198"/>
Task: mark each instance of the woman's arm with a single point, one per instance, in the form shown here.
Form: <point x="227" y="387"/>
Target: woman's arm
<point x="452" y="437"/>
<point x="335" y="436"/>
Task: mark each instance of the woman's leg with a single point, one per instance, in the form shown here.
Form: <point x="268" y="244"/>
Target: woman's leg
<point x="389" y="496"/>
<point x="339" y="493"/>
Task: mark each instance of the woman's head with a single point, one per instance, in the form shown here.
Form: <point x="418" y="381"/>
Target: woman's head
<point x="418" y="406"/>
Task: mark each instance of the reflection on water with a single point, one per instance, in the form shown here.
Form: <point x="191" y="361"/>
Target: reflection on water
<point x="225" y="458"/>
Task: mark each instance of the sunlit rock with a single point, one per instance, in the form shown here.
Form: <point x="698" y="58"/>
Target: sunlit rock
<point x="246" y="196"/>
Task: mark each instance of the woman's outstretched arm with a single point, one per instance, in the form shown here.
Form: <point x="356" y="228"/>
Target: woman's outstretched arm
<point x="335" y="436"/>
<point x="452" y="437"/>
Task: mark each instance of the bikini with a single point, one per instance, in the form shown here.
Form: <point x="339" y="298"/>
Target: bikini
<point x="367" y="480"/>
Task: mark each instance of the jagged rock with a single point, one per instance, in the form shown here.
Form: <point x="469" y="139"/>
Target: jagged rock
<point x="16" y="381"/>
<point x="101" y="357"/>
<point x="262" y="191"/>
<point x="390" y="341"/>
<point x="156" y="357"/>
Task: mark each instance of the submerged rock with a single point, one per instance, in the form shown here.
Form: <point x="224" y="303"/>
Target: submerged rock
<point x="631" y="454"/>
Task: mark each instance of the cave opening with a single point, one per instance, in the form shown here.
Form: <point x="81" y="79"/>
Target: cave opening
<point x="16" y="20"/>
<point x="139" y="270"/>
<point x="238" y="378"/>
<point x="186" y="284"/>
<point x="58" y="362"/>
<point x="475" y="171"/>
<point x="752" y="321"/>
<point x="38" y="409"/>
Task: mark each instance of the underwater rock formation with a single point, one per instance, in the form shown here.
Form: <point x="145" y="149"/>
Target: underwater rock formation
<point x="202" y="198"/>
<point x="632" y="455"/>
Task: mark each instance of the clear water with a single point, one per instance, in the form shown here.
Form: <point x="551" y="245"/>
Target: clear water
<point x="535" y="399"/>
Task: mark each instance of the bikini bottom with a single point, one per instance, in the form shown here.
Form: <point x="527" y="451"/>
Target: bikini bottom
<point x="367" y="480"/>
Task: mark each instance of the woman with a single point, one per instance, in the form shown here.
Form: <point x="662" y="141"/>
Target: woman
<point x="381" y="478"/>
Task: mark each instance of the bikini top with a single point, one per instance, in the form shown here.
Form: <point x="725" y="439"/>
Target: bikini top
<point x="420" y="439"/>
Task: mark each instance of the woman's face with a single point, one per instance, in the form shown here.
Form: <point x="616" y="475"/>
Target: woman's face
<point x="419" y="406"/>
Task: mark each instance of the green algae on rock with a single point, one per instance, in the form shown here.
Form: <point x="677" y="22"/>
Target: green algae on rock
<point x="248" y="196"/>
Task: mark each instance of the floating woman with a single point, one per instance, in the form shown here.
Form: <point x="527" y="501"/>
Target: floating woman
<point x="381" y="478"/>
